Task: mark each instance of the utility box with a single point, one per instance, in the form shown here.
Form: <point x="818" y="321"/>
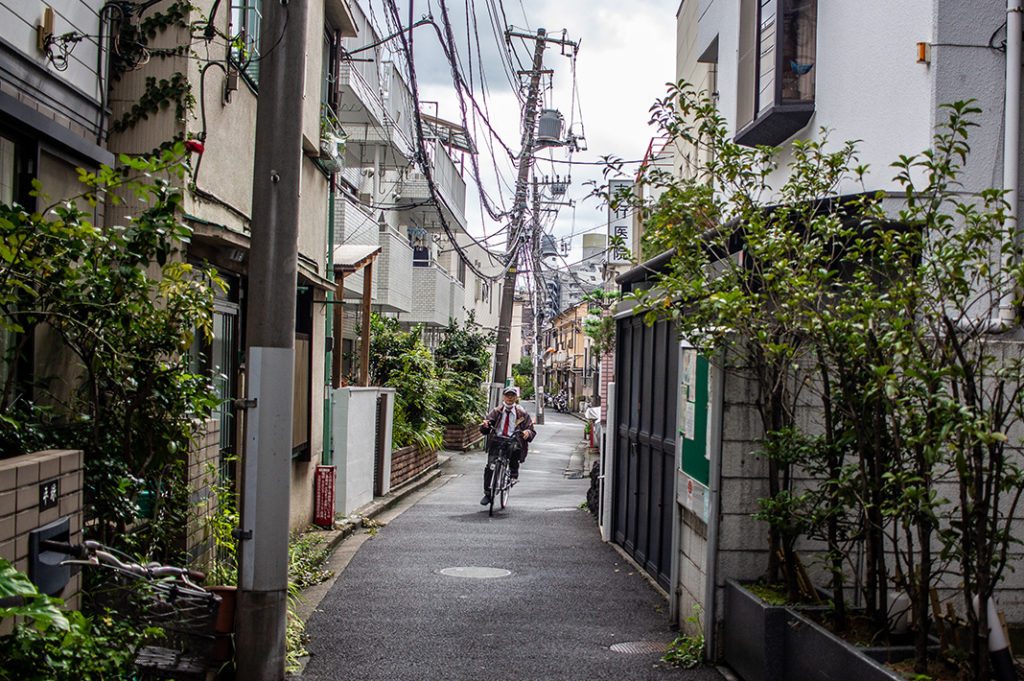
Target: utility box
<point x="362" y="420"/>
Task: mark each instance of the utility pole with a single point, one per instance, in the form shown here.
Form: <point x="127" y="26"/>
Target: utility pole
<point x="270" y="334"/>
<point x="515" y="238"/>
<point x="538" y="372"/>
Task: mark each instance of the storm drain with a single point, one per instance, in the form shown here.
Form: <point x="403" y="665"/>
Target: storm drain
<point x="639" y="647"/>
<point x="476" y="572"/>
<point x="563" y="509"/>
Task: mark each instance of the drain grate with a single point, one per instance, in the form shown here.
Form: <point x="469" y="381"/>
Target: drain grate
<point x="639" y="647"/>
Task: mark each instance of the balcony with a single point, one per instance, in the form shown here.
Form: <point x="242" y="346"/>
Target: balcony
<point x="353" y="226"/>
<point x="450" y="186"/>
<point x="432" y="296"/>
<point x="392" y="282"/>
<point x="457" y="303"/>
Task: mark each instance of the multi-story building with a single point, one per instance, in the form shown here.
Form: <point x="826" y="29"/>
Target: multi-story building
<point x="421" y="275"/>
<point x="568" y="355"/>
<point x="53" y="111"/>
<point x="779" y="71"/>
<point x="211" y="95"/>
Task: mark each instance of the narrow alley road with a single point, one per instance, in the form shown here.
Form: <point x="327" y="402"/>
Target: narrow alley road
<point x="446" y="592"/>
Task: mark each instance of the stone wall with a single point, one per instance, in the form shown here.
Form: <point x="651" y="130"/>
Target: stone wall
<point x="20" y="508"/>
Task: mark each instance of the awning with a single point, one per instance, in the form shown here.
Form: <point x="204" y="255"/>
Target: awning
<point x="349" y="258"/>
<point x="308" y="275"/>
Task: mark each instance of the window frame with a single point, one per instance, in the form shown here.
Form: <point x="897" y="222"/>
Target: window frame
<point x="781" y="118"/>
<point x="247" y="13"/>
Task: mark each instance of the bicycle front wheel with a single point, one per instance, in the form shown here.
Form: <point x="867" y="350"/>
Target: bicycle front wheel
<point x="497" y="475"/>
<point x="506" y="484"/>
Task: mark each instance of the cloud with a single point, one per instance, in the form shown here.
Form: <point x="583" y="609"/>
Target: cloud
<point x="627" y="54"/>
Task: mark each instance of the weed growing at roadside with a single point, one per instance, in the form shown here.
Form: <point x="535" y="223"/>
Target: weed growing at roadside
<point x="687" y="651"/>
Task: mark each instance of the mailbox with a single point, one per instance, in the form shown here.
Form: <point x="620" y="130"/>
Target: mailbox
<point x="44" y="567"/>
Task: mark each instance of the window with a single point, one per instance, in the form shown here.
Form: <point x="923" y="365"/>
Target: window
<point x="784" y="37"/>
<point x="246" y="18"/>
<point x="302" y="397"/>
<point x="7" y="171"/>
<point x="329" y="70"/>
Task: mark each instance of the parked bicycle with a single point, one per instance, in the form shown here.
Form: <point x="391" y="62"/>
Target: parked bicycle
<point x="501" y="477"/>
<point x="154" y="595"/>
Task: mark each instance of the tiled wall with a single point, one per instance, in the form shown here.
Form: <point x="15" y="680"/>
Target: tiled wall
<point x="203" y="473"/>
<point x="20" y="513"/>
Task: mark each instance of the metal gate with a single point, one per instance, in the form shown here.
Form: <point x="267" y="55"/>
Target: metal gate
<point x="647" y="365"/>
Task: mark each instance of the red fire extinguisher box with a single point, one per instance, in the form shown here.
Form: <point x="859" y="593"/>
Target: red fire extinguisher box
<point x="323" y="493"/>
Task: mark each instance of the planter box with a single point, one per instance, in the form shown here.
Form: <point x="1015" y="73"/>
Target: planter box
<point x="814" y="653"/>
<point x="462" y="437"/>
<point x="408" y="462"/>
<point x="753" y="635"/>
<point x="765" y="642"/>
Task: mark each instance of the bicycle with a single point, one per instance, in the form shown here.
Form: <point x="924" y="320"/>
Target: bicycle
<point x="154" y="595"/>
<point x="501" y="477"/>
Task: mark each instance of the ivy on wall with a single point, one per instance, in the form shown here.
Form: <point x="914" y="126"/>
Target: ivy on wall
<point x="131" y="52"/>
<point x="156" y="96"/>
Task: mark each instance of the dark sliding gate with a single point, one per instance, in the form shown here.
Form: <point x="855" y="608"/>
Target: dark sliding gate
<point x="646" y="372"/>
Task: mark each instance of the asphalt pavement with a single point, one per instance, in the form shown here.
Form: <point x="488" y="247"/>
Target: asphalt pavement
<point x="444" y="591"/>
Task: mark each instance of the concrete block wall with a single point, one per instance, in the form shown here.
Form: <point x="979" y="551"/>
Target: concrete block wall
<point x="693" y="552"/>
<point x="20" y="512"/>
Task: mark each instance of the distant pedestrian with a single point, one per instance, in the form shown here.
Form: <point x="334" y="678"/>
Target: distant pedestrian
<point x="506" y="420"/>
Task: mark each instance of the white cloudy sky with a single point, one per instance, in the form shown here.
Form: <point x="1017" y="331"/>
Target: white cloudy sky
<point x="626" y="56"/>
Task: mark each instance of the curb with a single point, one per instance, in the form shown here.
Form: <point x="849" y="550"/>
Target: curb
<point x="345" y="526"/>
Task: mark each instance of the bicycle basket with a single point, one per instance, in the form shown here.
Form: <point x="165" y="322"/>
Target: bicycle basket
<point x="185" y="617"/>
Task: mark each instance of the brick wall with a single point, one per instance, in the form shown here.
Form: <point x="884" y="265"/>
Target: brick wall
<point x="607" y="376"/>
<point x="20" y="512"/>
<point x="408" y="462"/>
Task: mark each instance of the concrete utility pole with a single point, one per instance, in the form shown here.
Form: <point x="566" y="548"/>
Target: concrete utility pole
<point x="270" y="335"/>
<point x="515" y="237"/>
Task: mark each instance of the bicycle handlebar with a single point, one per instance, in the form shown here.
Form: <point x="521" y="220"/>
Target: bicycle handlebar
<point x="92" y="552"/>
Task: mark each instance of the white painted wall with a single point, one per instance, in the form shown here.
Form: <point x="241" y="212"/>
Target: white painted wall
<point x="868" y="83"/>
<point x="354" y="414"/>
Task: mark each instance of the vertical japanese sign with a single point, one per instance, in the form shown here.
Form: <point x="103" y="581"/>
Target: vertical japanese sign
<point x="620" y="225"/>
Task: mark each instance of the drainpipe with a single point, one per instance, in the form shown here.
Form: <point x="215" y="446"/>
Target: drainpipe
<point x="1011" y="139"/>
<point x="714" y="501"/>
<point x="327" y="458"/>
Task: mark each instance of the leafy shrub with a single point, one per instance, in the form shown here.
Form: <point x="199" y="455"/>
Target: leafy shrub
<point x="122" y="312"/>
<point x="58" y="646"/>
<point x="398" y="359"/>
<point x="463" y="360"/>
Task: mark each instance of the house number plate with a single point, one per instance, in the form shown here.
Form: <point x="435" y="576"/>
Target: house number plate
<point x="48" y="493"/>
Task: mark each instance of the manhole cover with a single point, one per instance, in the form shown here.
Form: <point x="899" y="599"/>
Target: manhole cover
<point x="475" y="572"/>
<point x="637" y="647"/>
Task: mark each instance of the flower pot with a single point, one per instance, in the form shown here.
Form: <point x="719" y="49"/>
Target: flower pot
<point x="223" y="646"/>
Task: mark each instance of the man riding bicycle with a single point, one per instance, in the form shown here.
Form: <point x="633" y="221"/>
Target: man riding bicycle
<point x="507" y="420"/>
